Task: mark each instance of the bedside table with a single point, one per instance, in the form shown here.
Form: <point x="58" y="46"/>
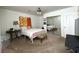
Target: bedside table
<point x="13" y="33"/>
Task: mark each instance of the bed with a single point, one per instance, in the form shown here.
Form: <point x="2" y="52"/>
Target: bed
<point x="32" y="33"/>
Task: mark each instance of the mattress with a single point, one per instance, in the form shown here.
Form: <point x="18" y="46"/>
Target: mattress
<point x="32" y="33"/>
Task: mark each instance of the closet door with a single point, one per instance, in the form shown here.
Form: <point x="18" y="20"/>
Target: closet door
<point x="77" y="26"/>
<point x="0" y="40"/>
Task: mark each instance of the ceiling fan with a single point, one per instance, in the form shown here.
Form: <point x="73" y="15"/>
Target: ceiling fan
<point x="39" y="12"/>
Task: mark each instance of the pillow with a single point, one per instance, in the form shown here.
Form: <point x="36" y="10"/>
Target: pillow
<point x="23" y="28"/>
<point x="28" y="27"/>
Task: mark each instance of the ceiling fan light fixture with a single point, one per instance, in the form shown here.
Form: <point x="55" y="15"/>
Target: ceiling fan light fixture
<point x="39" y="11"/>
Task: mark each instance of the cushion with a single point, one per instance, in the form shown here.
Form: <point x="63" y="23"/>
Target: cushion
<point x="23" y="28"/>
<point x="28" y="27"/>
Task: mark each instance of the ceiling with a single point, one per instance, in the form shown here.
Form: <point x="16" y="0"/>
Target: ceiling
<point x="33" y="9"/>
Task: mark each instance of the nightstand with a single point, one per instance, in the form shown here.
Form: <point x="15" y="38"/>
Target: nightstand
<point x="13" y="34"/>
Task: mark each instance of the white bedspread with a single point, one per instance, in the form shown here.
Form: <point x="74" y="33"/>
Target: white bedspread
<point x="32" y="33"/>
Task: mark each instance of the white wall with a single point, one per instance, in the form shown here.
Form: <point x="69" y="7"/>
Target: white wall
<point x="68" y="16"/>
<point x="41" y="21"/>
<point x="7" y="17"/>
<point x="38" y="22"/>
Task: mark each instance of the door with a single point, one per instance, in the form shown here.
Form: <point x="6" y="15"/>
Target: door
<point x="68" y="24"/>
<point x="57" y="23"/>
<point x="77" y="27"/>
<point x="64" y="26"/>
<point x="0" y="39"/>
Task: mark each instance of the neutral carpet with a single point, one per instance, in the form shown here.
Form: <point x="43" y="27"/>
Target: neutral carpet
<point x="53" y="44"/>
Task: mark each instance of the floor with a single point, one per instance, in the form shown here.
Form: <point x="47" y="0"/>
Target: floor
<point x="53" y="44"/>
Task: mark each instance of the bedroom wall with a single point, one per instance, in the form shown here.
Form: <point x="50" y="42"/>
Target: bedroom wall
<point x="41" y="21"/>
<point x="68" y="16"/>
<point x="7" y="17"/>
